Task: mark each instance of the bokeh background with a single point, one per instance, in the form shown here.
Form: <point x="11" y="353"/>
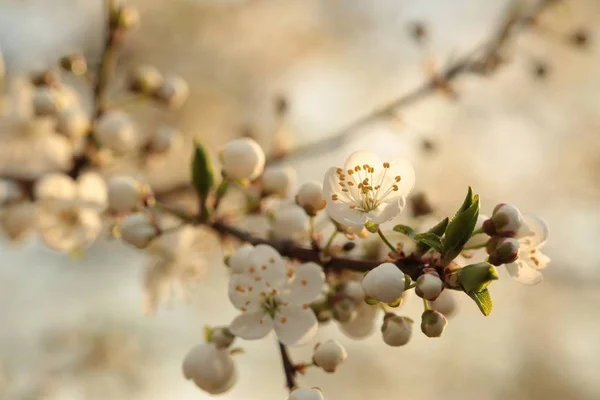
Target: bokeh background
<point x="513" y="136"/>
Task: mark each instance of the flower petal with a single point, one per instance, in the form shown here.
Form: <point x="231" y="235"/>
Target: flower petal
<point x="534" y="231"/>
<point x="243" y="293"/>
<point x="386" y="211"/>
<point x="306" y="285"/>
<point x="360" y="158"/>
<point x="240" y="259"/>
<point x="295" y="325"/>
<point x="404" y="169"/>
<point x="344" y="215"/>
<point x="267" y="267"/>
<point x="331" y="186"/>
<point x="251" y="325"/>
<point x="523" y="273"/>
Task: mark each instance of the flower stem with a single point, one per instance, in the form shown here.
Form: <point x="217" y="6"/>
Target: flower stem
<point x="288" y="367"/>
<point x="477" y="231"/>
<point x="329" y="242"/>
<point x="386" y="241"/>
<point x="426" y="304"/>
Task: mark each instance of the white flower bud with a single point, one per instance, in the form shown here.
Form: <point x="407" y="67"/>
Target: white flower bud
<point x="290" y="222"/>
<point x="173" y="91"/>
<point x="329" y="355"/>
<point x="18" y="219"/>
<point x="429" y="286"/>
<point x="211" y="369"/>
<point x="310" y="197"/>
<point x="145" y="79"/>
<point x="354" y="290"/>
<point x="115" y="131"/>
<point x="433" y="323"/>
<point x="384" y="283"/>
<point x="138" y="230"/>
<point x="502" y="250"/>
<point x="239" y="261"/>
<point x="278" y="180"/>
<point x="242" y="159"/>
<point x="10" y="191"/>
<point x="396" y="330"/>
<point x="222" y="337"/>
<point x="73" y="122"/>
<point x="306" y="394"/>
<point x="505" y="221"/>
<point x="125" y="194"/>
<point x="164" y="139"/>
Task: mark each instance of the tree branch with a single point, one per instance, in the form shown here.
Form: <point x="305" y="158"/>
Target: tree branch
<point x="288" y="367"/>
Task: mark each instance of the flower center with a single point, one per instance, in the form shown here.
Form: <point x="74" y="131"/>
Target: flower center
<point x="70" y="217"/>
<point x="270" y="303"/>
<point x="363" y="192"/>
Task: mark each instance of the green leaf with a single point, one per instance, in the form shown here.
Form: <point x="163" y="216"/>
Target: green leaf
<point x="483" y="301"/>
<point x="429" y="240"/>
<point x="440" y="228"/>
<point x="405" y="230"/>
<point x="202" y="172"/>
<point x="477" y="277"/>
<point x="461" y="227"/>
<point x="469" y="198"/>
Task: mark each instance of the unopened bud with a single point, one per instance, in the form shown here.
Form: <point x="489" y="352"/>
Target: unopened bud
<point x="239" y="261"/>
<point x="242" y="159"/>
<point x="306" y="394"/>
<point x="164" y="139"/>
<point x="126" y="194"/>
<point x="344" y="310"/>
<point x="173" y="91"/>
<point x="476" y="277"/>
<point x="396" y="330"/>
<point x="138" y="230"/>
<point x="278" y="180"/>
<point x="310" y="197"/>
<point x="385" y="283"/>
<point x="126" y="18"/>
<point x="73" y="123"/>
<point x="145" y="79"/>
<point x="74" y="63"/>
<point x="354" y="290"/>
<point x="115" y="131"/>
<point x="211" y="369"/>
<point x="222" y="337"/>
<point x="44" y="78"/>
<point x="290" y="223"/>
<point x="429" y="286"/>
<point x="433" y="323"/>
<point x="502" y="250"/>
<point x="329" y="355"/>
<point x="505" y="221"/>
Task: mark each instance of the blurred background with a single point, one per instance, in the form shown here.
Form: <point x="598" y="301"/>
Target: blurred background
<point x="527" y="134"/>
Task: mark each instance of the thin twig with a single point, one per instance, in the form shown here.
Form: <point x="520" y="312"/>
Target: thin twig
<point x="288" y="368"/>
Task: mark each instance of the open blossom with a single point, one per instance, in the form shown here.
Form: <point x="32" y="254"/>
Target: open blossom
<point x="273" y="298"/>
<point x="531" y="237"/>
<point x="68" y="211"/>
<point x="367" y="189"/>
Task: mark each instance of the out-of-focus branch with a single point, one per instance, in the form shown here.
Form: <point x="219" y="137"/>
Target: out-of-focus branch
<point x="288" y="367"/>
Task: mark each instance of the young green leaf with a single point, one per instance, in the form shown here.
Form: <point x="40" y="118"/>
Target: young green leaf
<point x="429" y="240"/>
<point x="405" y="230"/>
<point x="440" y="228"/>
<point x="476" y="277"/>
<point x="461" y="227"/>
<point x="483" y="301"/>
<point x="202" y="172"/>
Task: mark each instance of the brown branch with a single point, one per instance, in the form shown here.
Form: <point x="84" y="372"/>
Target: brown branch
<point x="288" y="367"/>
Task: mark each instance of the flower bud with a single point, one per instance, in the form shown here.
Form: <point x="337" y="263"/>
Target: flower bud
<point x="125" y="194"/>
<point x="73" y="123"/>
<point x="505" y="221"/>
<point x="306" y="394"/>
<point x="126" y="18"/>
<point x="211" y="369"/>
<point x="290" y="222"/>
<point x="310" y="197"/>
<point x="164" y="139"/>
<point x="56" y="186"/>
<point x="239" y="261"/>
<point x="433" y="323"/>
<point x="329" y="355"/>
<point x="115" y="131"/>
<point x="344" y="310"/>
<point x="10" y="191"/>
<point x="138" y="230"/>
<point x="396" y="330"/>
<point x="429" y="286"/>
<point x="278" y="180"/>
<point x="173" y="91"/>
<point x="385" y="283"/>
<point x="242" y="159"/>
<point x="222" y="337"/>
<point x="502" y="250"/>
<point x="145" y="79"/>
<point x="354" y="290"/>
<point x="74" y="63"/>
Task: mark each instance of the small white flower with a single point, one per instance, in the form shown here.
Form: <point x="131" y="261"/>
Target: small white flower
<point x="329" y="355"/>
<point x="138" y="230"/>
<point x="239" y="261"/>
<point x="367" y="189"/>
<point x="433" y="323"/>
<point x="429" y="286"/>
<point x="384" y="283"/>
<point x="363" y="324"/>
<point x="242" y="159"/>
<point x="531" y="237"/>
<point x="145" y="79"/>
<point x="125" y="194"/>
<point x="173" y="91"/>
<point x="505" y="221"/>
<point x="290" y="222"/>
<point x="210" y="368"/>
<point x="73" y="122"/>
<point x="115" y="130"/>
<point x="278" y="180"/>
<point x="10" y="191"/>
<point x="18" y="219"/>
<point x="310" y="197"/>
<point x="396" y="331"/>
<point x="306" y="394"/>
<point x="272" y="300"/>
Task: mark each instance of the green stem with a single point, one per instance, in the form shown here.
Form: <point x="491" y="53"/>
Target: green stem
<point x="426" y="305"/>
<point x="220" y="193"/>
<point x="386" y="241"/>
<point x="330" y="242"/>
<point x="477" y="231"/>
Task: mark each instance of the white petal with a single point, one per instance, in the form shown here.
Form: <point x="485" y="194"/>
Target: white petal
<point x="361" y="158"/>
<point x="331" y="186"/>
<point x="239" y="260"/>
<point x="386" y="211"/>
<point x="344" y="215"/>
<point x="244" y="294"/>
<point x="306" y="285"/>
<point x="251" y="325"/>
<point x="523" y="273"/>
<point x="295" y="325"/>
<point x="534" y="230"/>
<point x="267" y="267"/>
<point x="534" y="258"/>
<point x="402" y="168"/>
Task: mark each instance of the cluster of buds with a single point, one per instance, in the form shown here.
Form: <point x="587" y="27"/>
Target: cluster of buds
<point x="503" y="226"/>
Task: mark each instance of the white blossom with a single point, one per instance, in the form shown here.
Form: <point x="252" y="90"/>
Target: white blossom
<point x="273" y="298"/>
<point x="242" y="159"/>
<point x="278" y="180"/>
<point x="125" y="194"/>
<point x="396" y="331"/>
<point x="310" y="197"/>
<point x="210" y="368"/>
<point x="531" y="237"/>
<point x="138" y="230"/>
<point x="445" y="303"/>
<point x="367" y="189"/>
<point x="115" y="131"/>
<point x="306" y="394"/>
<point x="429" y="286"/>
<point x="51" y="100"/>
<point x="289" y="222"/>
<point x="164" y="139"/>
<point x="384" y="283"/>
<point x="173" y="91"/>
<point x="329" y="355"/>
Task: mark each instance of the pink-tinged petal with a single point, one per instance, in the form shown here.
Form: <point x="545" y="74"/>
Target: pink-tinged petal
<point x="244" y="293"/>
<point x="344" y="215"/>
<point x="251" y="325"/>
<point x="267" y="267"/>
<point x="306" y="286"/>
<point x="295" y="325"/>
<point x="534" y="231"/>
<point x="386" y="211"/>
<point x="523" y="273"/>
